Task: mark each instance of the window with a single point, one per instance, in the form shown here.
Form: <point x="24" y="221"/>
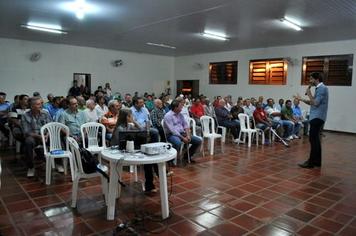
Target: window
<point x="223" y="72"/>
<point x="337" y="69"/>
<point x="268" y="71"/>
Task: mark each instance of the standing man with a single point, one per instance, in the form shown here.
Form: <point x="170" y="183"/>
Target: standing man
<point x="318" y="112"/>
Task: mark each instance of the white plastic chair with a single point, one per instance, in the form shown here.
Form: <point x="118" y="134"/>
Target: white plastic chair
<point x="90" y="131"/>
<point x="261" y="131"/>
<point x="245" y="129"/>
<point x="54" y="131"/>
<point x="193" y="127"/>
<point x="80" y="174"/>
<point x="180" y="151"/>
<point x="208" y="129"/>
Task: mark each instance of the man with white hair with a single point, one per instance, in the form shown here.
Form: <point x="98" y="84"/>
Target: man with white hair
<point x="224" y="118"/>
<point x="90" y="111"/>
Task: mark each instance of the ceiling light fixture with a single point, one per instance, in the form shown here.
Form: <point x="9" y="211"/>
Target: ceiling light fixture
<point x="56" y="29"/>
<point x="214" y="35"/>
<point x="291" y="23"/>
<point x="161" y="45"/>
<point x="80" y="8"/>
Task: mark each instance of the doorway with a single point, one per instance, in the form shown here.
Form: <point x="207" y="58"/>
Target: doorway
<point x="187" y="87"/>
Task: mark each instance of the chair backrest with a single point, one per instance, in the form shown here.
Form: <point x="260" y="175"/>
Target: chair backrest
<point x="54" y="131"/>
<point x="90" y="131"/>
<point x="208" y="125"/>
<point x="164" y="129"/>
<point x="192" y="125"/>
<point x="244" y="122"/>
<point x="74" y="149"/>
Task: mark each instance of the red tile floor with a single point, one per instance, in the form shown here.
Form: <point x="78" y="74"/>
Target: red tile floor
<point x="238" y="191"/>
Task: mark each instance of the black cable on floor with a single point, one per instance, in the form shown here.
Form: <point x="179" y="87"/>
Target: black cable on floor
<point x="138" y="223"/>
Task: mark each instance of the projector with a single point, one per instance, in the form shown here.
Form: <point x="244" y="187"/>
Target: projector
<point x="155" y="148"/>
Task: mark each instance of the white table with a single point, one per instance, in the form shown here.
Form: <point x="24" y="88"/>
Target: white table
<point x="118" y="159"/>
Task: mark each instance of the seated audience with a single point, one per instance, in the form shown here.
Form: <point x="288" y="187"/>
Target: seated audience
<point x="149" y="104"/>
<point x="261" y="99"/>
<point x="142" y="117"/>
<point x="262" y="121"/>
<point x="275" y="115"/>
<point x="224" y="118"/>
<point x="4" y="110"/>
<point x="228" y="102"/>
<point x="287" y="114"/>
<point x="249" y="108"/>
<point x="15" y="117"/>
<point x="128" y="100"/>
<point x="49" y="101"/>
<point x="54" y="106"/>
<point x="63" y="105"/>
<point x="280" y="105"/>
<point x="178" y="131"/>
<point x="209" y="108"/>
<point x="73" y="118"/>
<point x="90" y="112"/>
<point x="197" y="110"/>
<point x="110" y="118"/>
<point x="157" y="115"/>
<point x="31" y="123"/>
<point x="298" y="114"/>
<point x="101" y="107"/>
<point x="236" y="110"/>
<point x="108" y="91"/>
<point x="81" y="103"/>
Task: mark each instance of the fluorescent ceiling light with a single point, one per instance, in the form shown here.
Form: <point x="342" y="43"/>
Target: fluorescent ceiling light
<point x="56" y="29"/>
<point x="291" y="23"/>
<point x="161" y="45"/>
<point x="214" y="35"/>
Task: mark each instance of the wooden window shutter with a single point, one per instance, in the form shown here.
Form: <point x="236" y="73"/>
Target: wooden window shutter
<point x="337" y="69"/>
<point x="272" y="71"/>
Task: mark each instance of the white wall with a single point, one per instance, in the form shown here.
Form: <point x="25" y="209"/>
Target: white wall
<point x="53" y="73"/>
<point x="342" y="99"/>
<point x="143" y="72"/>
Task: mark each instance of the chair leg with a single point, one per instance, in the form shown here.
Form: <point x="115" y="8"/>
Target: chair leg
<point x="135" y="173"/>
<point x="52" y="163"/>
<point x="223" y="134"/>
<point x="71" y="166"/>
<point x="65" y="164"/>
<point x="75" y="191"/>
<point x="48" y="170"/>
<point x="212" y="146"/>
<point x="249" y="139"/>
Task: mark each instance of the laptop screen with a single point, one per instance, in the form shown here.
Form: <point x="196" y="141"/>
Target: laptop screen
<point x="139" y="137"/>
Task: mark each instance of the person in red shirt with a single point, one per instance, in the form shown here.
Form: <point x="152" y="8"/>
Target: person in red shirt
<point x="261" y="120"/>
<point x="197" y="110"/>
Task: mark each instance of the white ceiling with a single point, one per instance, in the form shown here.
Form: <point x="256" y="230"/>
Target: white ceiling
<point x="129" y="24"/>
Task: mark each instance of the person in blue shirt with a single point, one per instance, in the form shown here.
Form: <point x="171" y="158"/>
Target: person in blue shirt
<point x="298" y="114"/>
<point x="317" y="117"/>
<point x="4" y="110"/>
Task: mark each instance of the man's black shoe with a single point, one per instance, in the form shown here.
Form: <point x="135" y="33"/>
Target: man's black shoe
<point x="306" y="165"/>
